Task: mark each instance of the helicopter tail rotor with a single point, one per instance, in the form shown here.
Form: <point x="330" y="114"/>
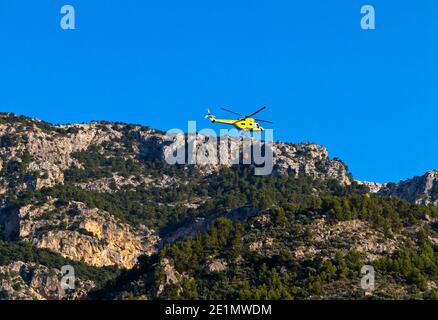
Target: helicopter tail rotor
<point x="210" y="116"/>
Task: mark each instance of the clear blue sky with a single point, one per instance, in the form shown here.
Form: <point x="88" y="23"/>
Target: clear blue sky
<point x="370" y="97"/>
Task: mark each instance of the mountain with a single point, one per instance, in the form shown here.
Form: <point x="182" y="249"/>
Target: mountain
<point x="421" y="190"/>
<point x="102" y="197"/>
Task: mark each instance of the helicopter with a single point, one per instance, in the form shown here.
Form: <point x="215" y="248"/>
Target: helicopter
<point x="245" y="123"/>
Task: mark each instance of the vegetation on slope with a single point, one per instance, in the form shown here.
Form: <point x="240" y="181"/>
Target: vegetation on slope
<point x="258" y="255"/>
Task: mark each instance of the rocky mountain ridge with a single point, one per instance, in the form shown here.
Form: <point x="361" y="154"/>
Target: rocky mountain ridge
<point x="420" y="190"/>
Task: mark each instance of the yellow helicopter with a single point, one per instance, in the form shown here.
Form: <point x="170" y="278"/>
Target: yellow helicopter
<point x="245" y="123"/>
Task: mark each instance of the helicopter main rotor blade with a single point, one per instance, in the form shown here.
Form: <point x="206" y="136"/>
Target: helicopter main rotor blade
<point x="252" y="114"/>
<point x="238" y="114"/>
<point x="260" y="120"/>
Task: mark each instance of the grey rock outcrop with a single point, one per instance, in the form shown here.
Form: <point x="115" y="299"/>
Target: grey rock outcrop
<point x="46" y="151"/>
<point x="28" y="281"/>
<point x="80" y="233"/>
<point x="420" y="190"/>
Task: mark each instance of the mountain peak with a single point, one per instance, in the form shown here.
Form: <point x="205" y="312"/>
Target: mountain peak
<point x="420" y="189"/>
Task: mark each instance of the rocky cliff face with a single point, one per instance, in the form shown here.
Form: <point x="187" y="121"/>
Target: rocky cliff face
<point x="35" y="154"/>
<point x="80" y="233"/>
<point x="310" y="159"/>
<point x="420" y="190"/>
<point x="43" y="152"/>
<point x="28" y="281"/>
<point x="306" y="158"/>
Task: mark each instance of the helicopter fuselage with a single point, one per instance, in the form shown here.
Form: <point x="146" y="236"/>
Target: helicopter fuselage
<point x="245" y="124"/>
